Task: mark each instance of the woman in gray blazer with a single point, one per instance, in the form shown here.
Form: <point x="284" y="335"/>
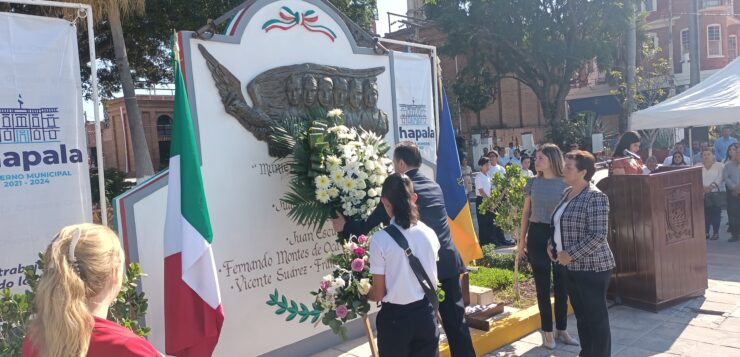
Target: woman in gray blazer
<point x="581" y="223"/>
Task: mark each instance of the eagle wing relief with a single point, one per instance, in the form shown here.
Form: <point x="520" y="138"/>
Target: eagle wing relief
<point x="286" y="93"/>
<point x="229" y="89"/>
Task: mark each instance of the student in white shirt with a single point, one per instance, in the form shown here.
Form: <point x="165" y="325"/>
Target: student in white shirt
<point x="526" y="172"/>
<point x="494" y="159"/>
<point x="406" y="322"/>
<point x="498" y="235"/>
<point x="483" y="190"/>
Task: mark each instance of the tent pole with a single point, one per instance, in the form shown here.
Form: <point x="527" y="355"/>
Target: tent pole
<point x="691" y="147"/>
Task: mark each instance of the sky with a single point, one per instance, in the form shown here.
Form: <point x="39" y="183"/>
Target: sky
<point x="386" y="6"/>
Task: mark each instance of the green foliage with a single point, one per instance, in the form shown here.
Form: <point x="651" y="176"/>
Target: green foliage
<point x="491" y="259"/>
<point x="293" y="136"/>
<point x="130" y="305"/>
<point x="16" y="310"/>
<point x="540" y="43"/>
<point x="475" y="87"/>
<point x="507" y="198"/>
<point x="115" y="184"/>
<point x="292" y="308"/>
<point x="362" y="12"/>
<point x="494" y="278"/>
<point x="652" y="80"/>
<point x="652" y="85"/>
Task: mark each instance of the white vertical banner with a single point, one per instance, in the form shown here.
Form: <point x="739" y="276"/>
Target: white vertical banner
<point x="412" y="76"/>
<point x="44" y="177"/>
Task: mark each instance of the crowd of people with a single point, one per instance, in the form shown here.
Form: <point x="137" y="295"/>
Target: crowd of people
<point x="720" y="165"/>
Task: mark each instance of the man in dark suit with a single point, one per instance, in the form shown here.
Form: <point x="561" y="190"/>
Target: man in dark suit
<point x="407" y="159"/>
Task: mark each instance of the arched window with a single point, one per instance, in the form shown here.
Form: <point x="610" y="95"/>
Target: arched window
<point x="164" y="126"/>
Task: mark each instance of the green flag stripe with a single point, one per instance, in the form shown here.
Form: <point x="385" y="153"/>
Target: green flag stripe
<point x="193" y="199"/>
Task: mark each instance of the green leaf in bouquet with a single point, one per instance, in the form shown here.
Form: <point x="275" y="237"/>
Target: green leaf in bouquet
<point x="351" y="315"/>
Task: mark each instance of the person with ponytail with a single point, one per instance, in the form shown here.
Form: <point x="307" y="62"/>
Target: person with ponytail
<point x="431" y="206"/>
<point x="83" y="273"/>
<point x="406" y="322"/>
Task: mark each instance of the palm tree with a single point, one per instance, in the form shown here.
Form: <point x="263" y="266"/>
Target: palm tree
<point x="112" y="10"/>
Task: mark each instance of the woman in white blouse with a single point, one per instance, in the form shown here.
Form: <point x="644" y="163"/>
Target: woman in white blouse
<point x="711" y="174"/>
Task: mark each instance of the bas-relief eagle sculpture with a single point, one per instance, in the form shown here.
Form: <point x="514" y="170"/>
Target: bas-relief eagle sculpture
<point x="291" y="91"/>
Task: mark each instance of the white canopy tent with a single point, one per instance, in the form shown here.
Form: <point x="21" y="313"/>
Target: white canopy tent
<point x="714" y="101"/>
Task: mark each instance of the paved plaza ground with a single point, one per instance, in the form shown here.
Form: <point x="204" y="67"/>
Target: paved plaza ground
<point x="704" y="326"/>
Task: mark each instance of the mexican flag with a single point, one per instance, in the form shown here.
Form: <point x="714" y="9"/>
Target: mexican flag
<point x="193" y="311"/>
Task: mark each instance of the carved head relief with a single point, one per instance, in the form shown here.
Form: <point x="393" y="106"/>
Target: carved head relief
<point x="370" y="89"/>
<point x="355" y="94"/>
<point x="310" y="88"/>
<point x="326" y="92"/>
<point x="294" y="90"/>
<point x="340" y="92"/>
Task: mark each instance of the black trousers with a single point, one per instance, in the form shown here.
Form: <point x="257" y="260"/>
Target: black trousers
<point x="733" y="213"/>
<point x="587" y="290"/>
<point x="488" y="232"/>
<point x="485" y="224"/>
<point x="542" y="267"/>
<point x="452" y="310"/>
<point x="407" y="330"/>
<point x="712" y="218"/>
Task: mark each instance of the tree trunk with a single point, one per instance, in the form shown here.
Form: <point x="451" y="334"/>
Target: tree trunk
<point x="478" y="116"/>
<point x="143" y="162"/>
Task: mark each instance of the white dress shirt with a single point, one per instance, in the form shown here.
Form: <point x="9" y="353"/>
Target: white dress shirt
<point x="387" y="258"/>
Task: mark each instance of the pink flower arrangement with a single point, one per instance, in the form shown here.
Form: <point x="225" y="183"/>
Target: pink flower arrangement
<point x="342" y="311"/>
<point x="342" y="294"/>
<point x="358" y="265"/>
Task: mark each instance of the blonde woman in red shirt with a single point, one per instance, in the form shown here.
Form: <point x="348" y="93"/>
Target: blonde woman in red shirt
<point x="83" y="273"/>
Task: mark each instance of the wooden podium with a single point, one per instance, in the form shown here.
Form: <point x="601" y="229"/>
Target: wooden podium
<point x="657" y="237"/>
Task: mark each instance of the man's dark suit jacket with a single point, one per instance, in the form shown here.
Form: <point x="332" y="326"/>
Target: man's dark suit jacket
<point x="432" y="212"/>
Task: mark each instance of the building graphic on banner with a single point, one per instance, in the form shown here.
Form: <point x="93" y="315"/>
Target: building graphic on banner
<point x="414" y="124"/>
<point x="29" y="125"/>
<point x="20" y="126"/>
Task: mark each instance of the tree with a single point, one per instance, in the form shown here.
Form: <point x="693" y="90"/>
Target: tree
<point x="541" y="43"/>
<point x="651" y="86"/>
<point x="507" y="203"/>
<point x="475" y="88"/>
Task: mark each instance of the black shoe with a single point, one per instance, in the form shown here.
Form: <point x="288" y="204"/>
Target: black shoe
<point x="734" y="239"/>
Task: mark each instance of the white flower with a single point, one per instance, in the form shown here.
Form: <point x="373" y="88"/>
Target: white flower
<point x="372" y="193"/>
<point x="339" y="282"/>
<point x="333" y="192"/>
<point x="353" y="168"/>
<point x="331" y="291"/>
<point x="323" y="196"/>
<point x="369" y="151"/>
<point x="349" y="184"/>
<point x="364" y="286"/>
<point x="359" y="194"/>
<point x="333" y="161"/>
<point x="337" y="176"/>
<point x="370" y="165"/>
<point x="363" y="175"/>
<point x="327" y="277"/>
<point x="361" y="185"/>
<point x="322" y="182"/>
<point x="335" y="113"/>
